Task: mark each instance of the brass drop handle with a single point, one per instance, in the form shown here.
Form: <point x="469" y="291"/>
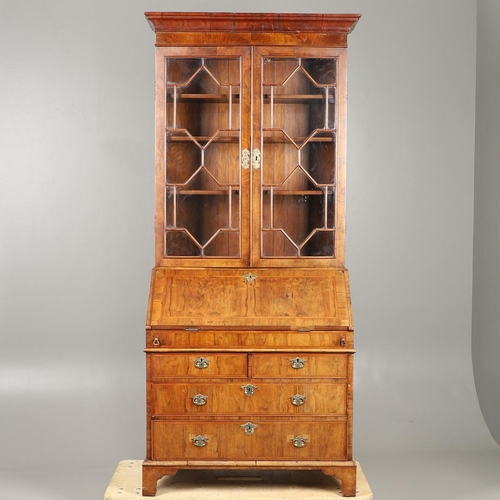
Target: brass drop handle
<point x="201" y="362"/>
<point x="156" y="342"/>
<point x="199" y="399"/>
<point x="200" y="441"/>
<point x="297" y="363"/>
<point x="299" y="441"/>
<point x="298" y="400"/>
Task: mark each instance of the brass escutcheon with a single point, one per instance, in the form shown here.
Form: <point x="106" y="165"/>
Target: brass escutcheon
<point x="249" y="389"/>
<point x="249" y="428"/>
<point x="250" y="277"/>
<point x="245" y="159"/>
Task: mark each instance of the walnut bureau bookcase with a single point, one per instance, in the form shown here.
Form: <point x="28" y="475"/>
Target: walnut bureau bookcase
<point x="249" y="333"/>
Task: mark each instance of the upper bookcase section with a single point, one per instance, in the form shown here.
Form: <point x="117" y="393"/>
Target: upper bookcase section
<point x="328" y="30"/>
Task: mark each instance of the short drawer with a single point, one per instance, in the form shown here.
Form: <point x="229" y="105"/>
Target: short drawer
<point x="198" y="365"/>
<point x="243" y="439"/>
<point x="249" y="399"/>
<point x="300" y="365"/>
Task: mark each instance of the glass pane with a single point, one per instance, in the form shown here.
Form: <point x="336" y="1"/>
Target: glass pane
<point x="202" y="166"/>
<point x="298" y="157"/>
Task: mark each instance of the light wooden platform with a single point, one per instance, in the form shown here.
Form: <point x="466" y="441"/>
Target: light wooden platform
<point x="126" y="484"/>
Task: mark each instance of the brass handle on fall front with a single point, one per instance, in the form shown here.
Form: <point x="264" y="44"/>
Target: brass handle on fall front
<point x="299" y="441"/>
<point x="256" y="158"/>
<point x="245" y="159"/>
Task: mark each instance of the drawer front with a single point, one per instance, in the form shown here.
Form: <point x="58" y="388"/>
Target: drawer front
<point x="252" y="340"/>
<point x="198" y="365"/>
<point x="238" y="440"/>
<point x="300" y="365"/>
<point x="249" y="398"/>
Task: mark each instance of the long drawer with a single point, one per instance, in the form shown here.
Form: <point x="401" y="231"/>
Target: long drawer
<point x="241" y="439"/>
<point x="249" y="398"/>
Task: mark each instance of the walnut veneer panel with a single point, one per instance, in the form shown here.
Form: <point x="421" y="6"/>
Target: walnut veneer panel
<point x="277" y="298"/>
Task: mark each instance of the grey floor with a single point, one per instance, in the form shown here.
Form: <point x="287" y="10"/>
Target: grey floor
<point x="446" y="477"/>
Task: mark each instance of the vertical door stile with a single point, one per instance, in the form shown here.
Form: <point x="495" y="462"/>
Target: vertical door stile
<point x="246" y="143"/>
<point x="160" y="143"/>
<point x="256" y="207"/>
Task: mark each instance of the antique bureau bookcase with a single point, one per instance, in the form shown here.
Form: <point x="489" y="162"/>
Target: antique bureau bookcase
<point x="249" y="333"/>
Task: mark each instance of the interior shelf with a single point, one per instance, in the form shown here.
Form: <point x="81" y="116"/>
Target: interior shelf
<point x="296" y="192"/>
<point x="295" y="98"/>
<point x="218" y="98"/>
<point x="297" y="139"/>
<point x="206" y="192"/>
<point x="203" y="138"/>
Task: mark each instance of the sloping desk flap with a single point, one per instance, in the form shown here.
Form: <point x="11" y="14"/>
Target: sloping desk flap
<point x="257" y="298"/>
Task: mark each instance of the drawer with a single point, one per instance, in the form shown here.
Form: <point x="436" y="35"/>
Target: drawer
<point x="198" y="365"/>
<point x="241" y="439"/>
<point x="251" y="398"/>
<point x="192" y="338"/>
<point x="300" y="365"/>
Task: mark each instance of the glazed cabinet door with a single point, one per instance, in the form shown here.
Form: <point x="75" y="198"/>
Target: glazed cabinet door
<point x="202" y="154"/>
<point x="298" y="156"/>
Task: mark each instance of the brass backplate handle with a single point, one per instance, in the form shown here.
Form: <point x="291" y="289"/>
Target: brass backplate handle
<point x="199" y="399"/>
<point x="298" y="400"/>
<point x="299" y="441"/>
<point x="200" y="441"/>
<point x="201" y="362"/>
<point x="297" y="363"/>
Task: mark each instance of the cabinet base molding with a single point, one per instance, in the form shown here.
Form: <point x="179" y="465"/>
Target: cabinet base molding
<point x="227" y="482"/>
<point x="347" y="472"/>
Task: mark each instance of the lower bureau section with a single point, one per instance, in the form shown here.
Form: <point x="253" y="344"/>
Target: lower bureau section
<point x="255" y="439"/>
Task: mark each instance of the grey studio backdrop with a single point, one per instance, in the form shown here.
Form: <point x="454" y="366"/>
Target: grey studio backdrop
<point x="76" y="244"/>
